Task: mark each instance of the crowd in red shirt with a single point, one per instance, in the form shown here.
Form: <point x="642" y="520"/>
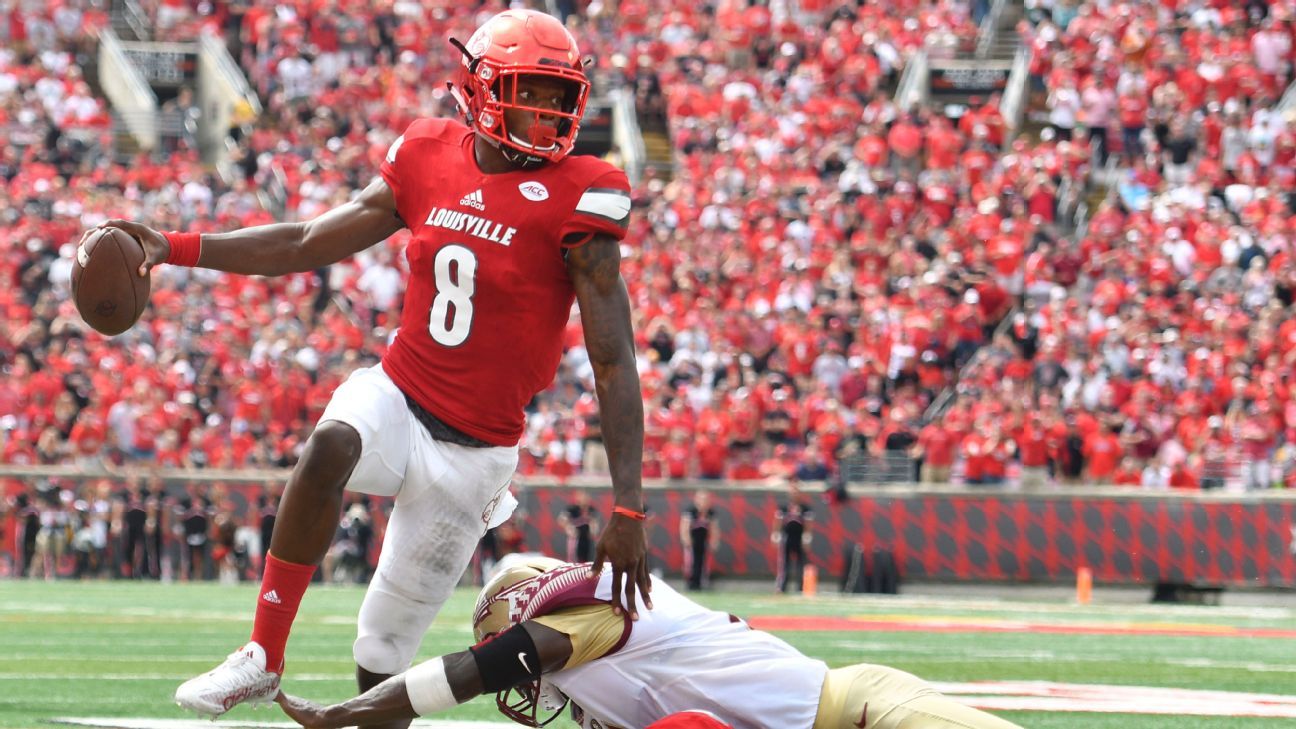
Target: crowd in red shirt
<point x="1156" y="348"/>
<point x="818" y="268"/>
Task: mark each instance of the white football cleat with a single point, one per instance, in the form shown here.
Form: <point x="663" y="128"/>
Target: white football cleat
<point x="241" y="679"/>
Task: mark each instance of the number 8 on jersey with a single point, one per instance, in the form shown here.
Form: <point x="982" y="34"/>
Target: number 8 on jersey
<point x="455" y="271"/>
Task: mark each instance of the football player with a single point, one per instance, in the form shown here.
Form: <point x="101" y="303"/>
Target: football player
<point x="549" y="639"/>
<point x="507" y="230"/>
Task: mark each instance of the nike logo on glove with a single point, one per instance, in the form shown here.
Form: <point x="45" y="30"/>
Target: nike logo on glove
<point x="522" y="658"/>
<point x="863" y="717"/>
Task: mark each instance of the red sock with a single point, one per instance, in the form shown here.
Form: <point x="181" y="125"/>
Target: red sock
<point x="282" y="588"/>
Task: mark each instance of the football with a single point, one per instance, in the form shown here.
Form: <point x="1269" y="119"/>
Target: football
<point x="106" y="285"/>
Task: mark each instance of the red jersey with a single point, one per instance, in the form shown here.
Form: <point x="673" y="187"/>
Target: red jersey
<point x="488" y="294"/>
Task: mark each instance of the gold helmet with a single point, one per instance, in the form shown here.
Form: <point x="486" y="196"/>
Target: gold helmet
<point x="495" y="613"/>
<point x="502" y="604"/>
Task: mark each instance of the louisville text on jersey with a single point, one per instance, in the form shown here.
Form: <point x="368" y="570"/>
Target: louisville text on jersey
<point x="474" y="225"/>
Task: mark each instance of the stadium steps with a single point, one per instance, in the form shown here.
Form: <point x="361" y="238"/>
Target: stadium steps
<point x="660" y="154"/>
<point x="124" y="145"/>
<point x="1097" y="192"/>
<point x="1006" y="39"/>
<point x="130" y="21"/>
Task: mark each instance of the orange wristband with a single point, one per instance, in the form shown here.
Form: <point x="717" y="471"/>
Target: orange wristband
<point x="623" y="511"/>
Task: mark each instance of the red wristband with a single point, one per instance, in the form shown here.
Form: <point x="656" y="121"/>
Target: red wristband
<point x="623" y="511"/>
<point x="185" y="248"/>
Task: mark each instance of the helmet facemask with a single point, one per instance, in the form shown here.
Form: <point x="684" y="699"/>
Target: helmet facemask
<point x="551" y="132"/>
<point x="525" y="703"/>
<point x="487" y="89"/>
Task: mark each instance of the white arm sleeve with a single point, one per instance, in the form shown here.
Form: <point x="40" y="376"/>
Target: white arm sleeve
<point x="429" y="688"/>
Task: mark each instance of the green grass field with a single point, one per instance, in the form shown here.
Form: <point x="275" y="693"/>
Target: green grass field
<point x="119" y="649"/>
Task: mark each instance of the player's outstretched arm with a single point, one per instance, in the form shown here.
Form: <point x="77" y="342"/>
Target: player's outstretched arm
<point x="282" y="248"/>
<point x="595" y="270"/>
<point x="516" y="656"/>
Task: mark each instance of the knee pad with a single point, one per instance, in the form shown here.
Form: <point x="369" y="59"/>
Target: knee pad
<point x="389" y="628"/>
<point x="381" y="654"/>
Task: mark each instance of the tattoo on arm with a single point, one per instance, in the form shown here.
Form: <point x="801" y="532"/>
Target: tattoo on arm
<point x="595" y="270"/>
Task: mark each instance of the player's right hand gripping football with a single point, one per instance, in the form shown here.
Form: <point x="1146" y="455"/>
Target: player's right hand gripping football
<point x="156" y="247"/>
<point x="624" y="545"/>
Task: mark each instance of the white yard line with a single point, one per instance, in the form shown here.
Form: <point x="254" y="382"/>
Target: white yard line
<point x="110" y="723"/>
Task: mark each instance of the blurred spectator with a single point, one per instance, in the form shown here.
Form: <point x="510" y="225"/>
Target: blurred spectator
<point x="936" y="447"/>
<point x="347" y="560"/>
<point x="1102" y="452"/>
<point x="699" y="537"/>
<point x="27" y="517"/>
<point x="811" y="466"/>
<point x="54" y="536"/>
<point x="134" y="547"/>
<point x="1128" y="473"/>
<point x="1033" y="446"/>
<point x="267" y="511"/>
<point x="791" y="535"/>
<point x="192" y="523"/>
<point x="580" y="521"/>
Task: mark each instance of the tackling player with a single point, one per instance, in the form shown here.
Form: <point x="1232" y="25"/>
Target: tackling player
<point x="549" y="637"/>
<point x="507" y="230"/>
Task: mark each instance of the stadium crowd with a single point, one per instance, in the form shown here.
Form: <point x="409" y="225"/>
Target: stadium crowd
<point x="1166" y="361"/>
<point x="815" y="271"/>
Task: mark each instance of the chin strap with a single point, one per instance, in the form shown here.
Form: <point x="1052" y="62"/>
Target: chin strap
<point x="460" y="101"/>
<point x="522" y="159"/>
<point x="472" y="60"/>
<point x="515" y="157"/>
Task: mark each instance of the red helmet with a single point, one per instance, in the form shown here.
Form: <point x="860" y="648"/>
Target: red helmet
<point x="511" y="45"/>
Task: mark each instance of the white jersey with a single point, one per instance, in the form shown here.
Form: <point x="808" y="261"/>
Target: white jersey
<point x="682" y="656"/>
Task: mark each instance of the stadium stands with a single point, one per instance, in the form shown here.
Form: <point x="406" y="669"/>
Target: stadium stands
<point x="820" y="275"/>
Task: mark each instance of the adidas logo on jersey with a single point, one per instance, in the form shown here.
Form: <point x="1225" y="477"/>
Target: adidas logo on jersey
<point x="272" y="597"/>
<point x="473" y="200"/>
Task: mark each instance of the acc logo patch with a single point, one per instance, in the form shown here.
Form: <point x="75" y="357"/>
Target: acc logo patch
<point x="534" y="191"/>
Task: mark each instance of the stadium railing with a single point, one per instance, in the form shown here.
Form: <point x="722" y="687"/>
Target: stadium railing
<point x="127" y="91"/>
<point x="128" y="15"/>
<point x="989" y="29"/>
<point x="1287" y="103"/>
<point x="225" y="96"/>
<point x="626" y="135"/>
<point x="1012" y="105"/>
<point x="912" y="89"/>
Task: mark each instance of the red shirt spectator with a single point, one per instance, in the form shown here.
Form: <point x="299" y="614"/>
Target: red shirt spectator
<point x="1033" y="445"/>
<point x="713" y="453"/>
<point x="905" y="139"/>
<point x="939" y="444"/>
<point x="677" y="458"/>
<point x="1128" y="474"/>
<point x="1102" y="452"/>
